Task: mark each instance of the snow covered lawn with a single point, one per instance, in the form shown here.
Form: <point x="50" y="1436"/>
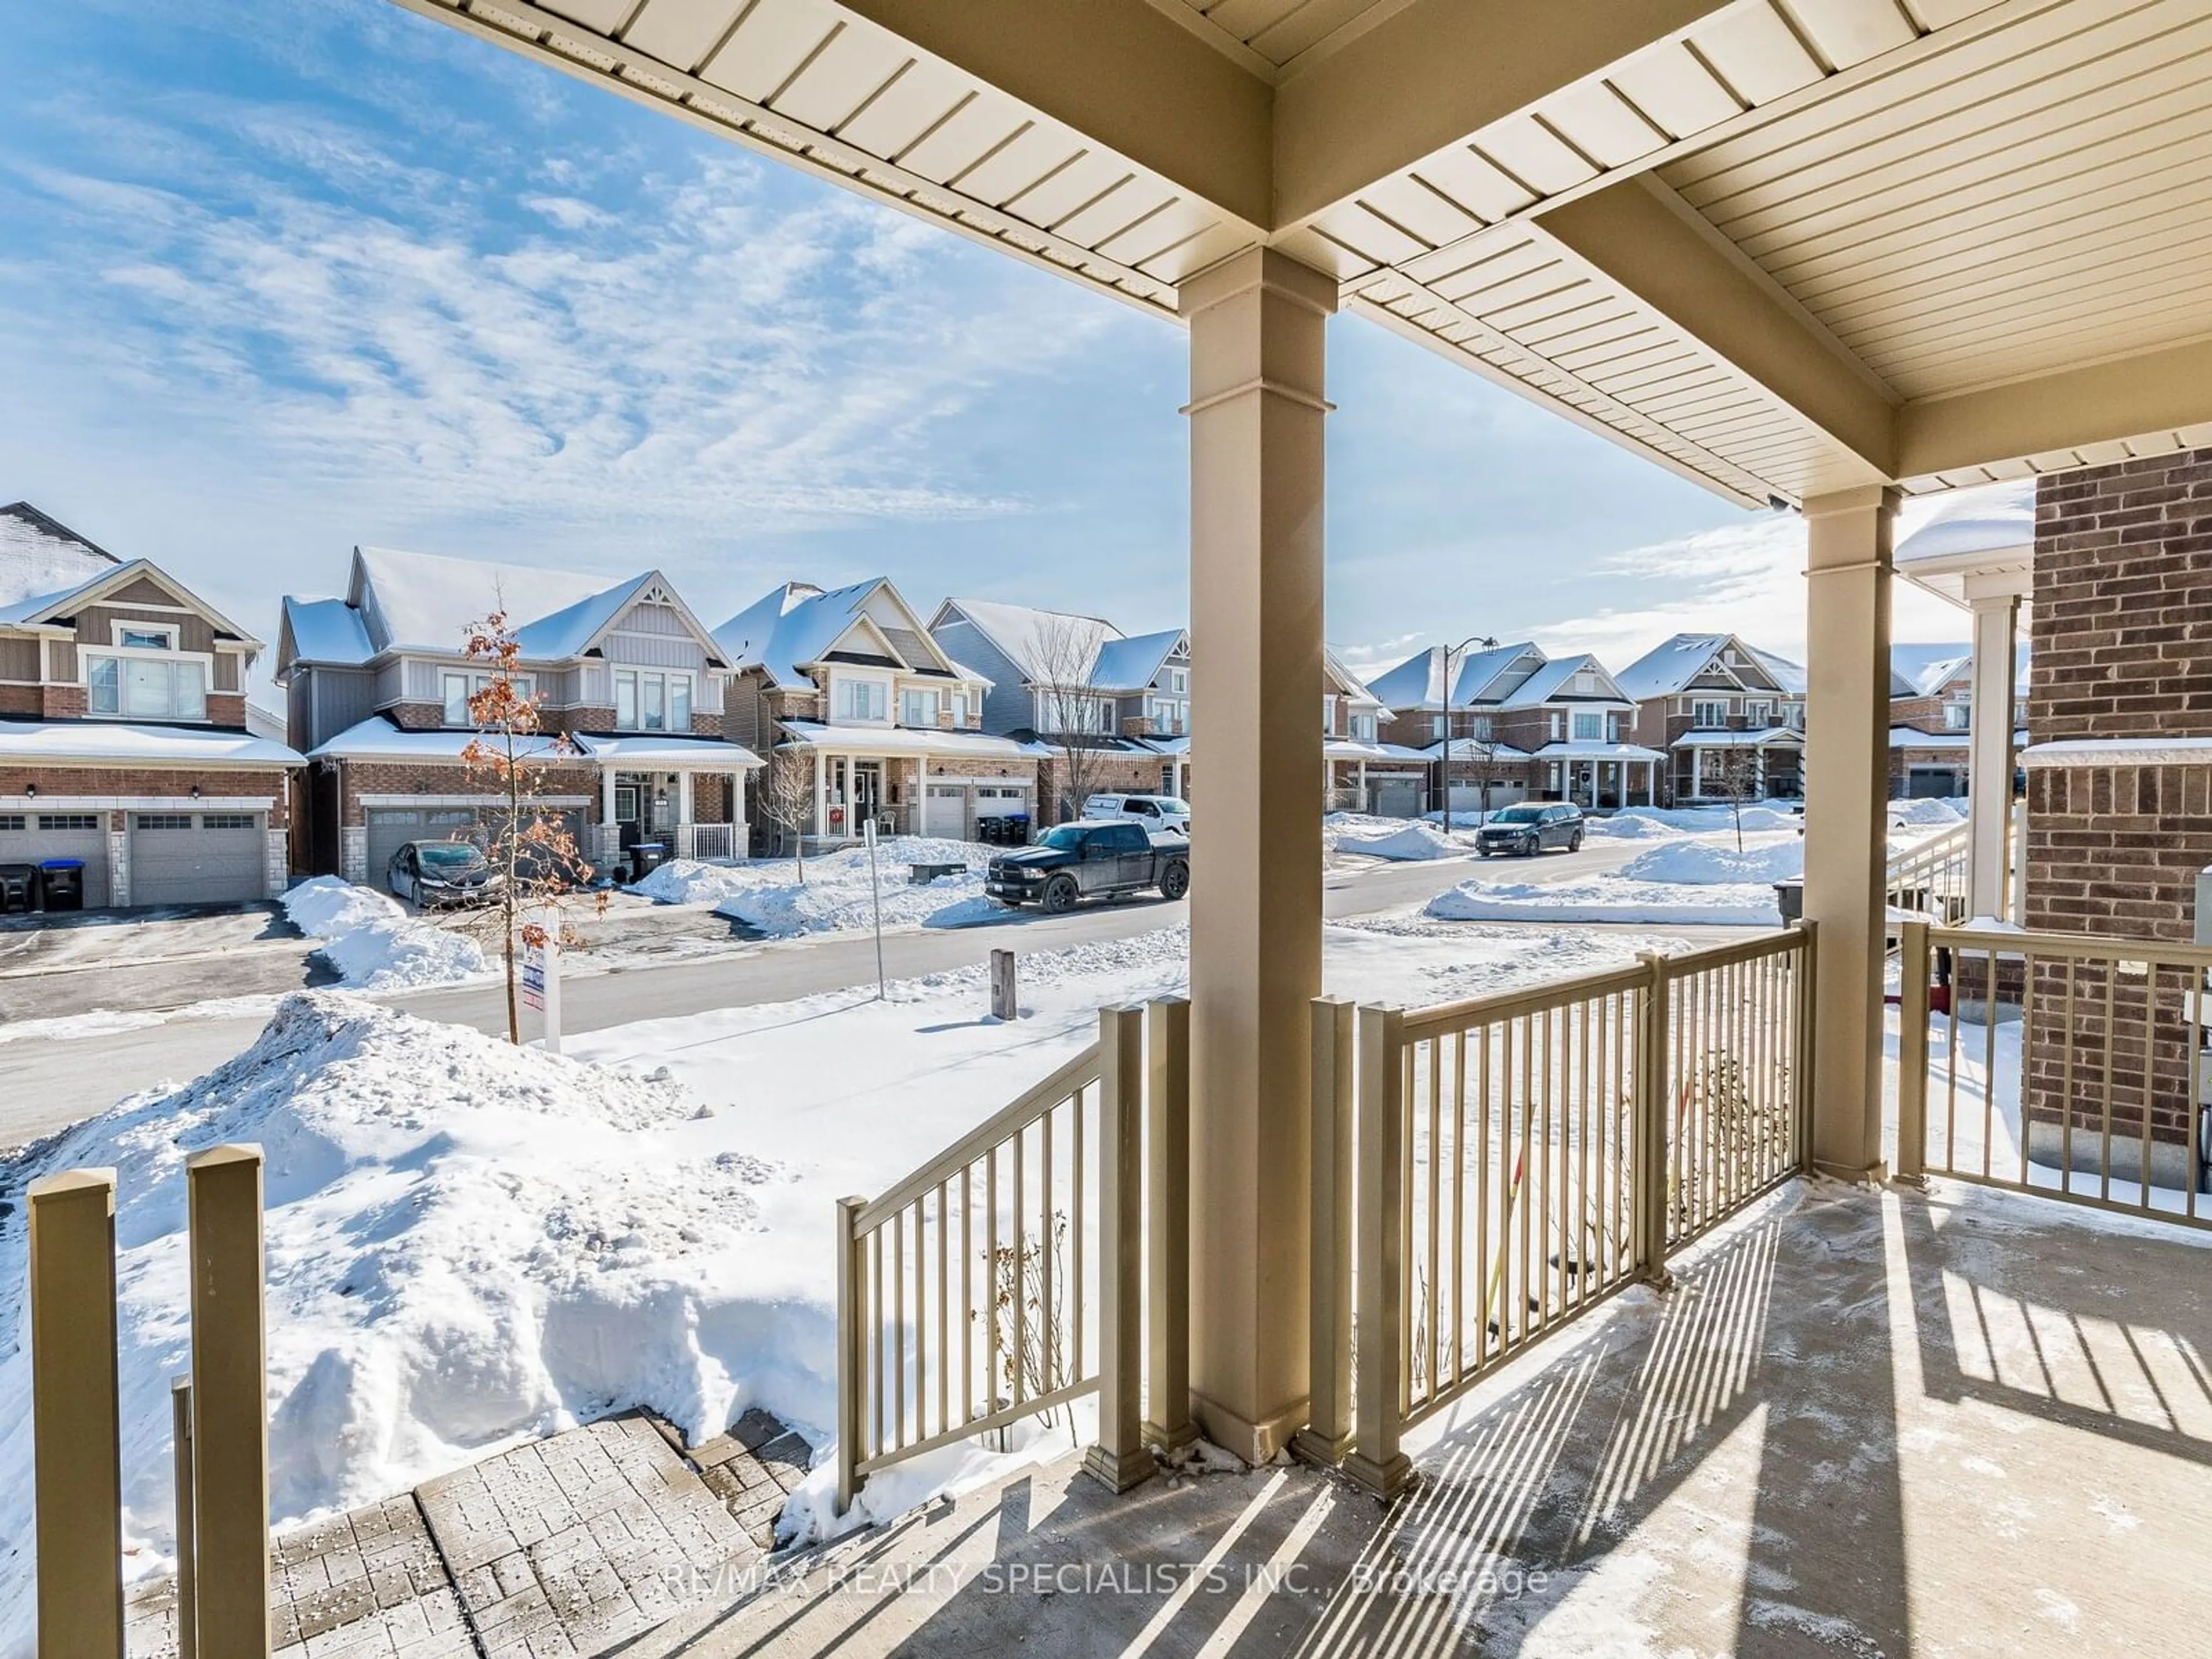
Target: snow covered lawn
<point x="836" y="895"/>
<point x="1678" y="879"/>
<point x="1397" y="839"/>
<point x="470" y="1243"/>
<point x="372" y="943"/>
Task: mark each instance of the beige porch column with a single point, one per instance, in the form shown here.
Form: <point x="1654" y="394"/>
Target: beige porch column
<point x="1994" y="602"/>
<point x="1257" y="327"/>
<point x="1847" y="817"/>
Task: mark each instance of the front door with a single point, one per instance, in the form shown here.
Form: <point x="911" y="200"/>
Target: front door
<point x="868" y="792"/>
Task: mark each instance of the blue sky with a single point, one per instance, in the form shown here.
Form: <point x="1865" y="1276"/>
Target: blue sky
<point x="279" y="279"/>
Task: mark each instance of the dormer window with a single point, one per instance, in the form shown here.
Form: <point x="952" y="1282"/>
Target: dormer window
<point x="652" y="702"/>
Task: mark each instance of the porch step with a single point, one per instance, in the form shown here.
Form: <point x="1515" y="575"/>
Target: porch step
<point x="574" y="1545"/>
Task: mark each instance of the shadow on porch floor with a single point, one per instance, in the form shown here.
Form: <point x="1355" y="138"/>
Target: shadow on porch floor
<point x="1863" y="1423"/>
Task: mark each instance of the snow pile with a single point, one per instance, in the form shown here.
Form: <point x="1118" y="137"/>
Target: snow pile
<point x="1930" y="814"/>
<point x="1408" y="843"/>
<point x="838" y="896"/>
<point x="374" y="944"/>
<point x="1704" y="863"/>
<point x="1609" y="898"/>
<point x="1647" y="823"/>
<point x="686" y="881"/>
<point x="468" y="1245"/>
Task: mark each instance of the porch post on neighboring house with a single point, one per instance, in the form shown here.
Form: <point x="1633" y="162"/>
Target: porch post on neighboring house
<point x="686" y="842"/>
<point x="1994" y="602"/>
<point x="1846" y="816"/>
<point x="1258" y="325"/>
<point x="610" y="847"/>
<point x="821" y="794"/>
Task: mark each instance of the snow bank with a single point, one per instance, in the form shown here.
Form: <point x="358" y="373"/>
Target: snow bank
<point x="838" y="897"/>
<point x="372" y="943"/>
<point x="1647" y="823"/>
<point x="1610" y="898"/>
<point x="1408" y="843"/>
<point x="468" y="1243"/>
<point x="1704" y="863"/>
<point x="686" y="881"/>
<point x="1934" y="814"/>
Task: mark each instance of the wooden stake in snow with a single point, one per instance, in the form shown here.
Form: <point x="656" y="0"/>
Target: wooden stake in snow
<point x="1004" y="1004"/>
<point x="876" y="892"/>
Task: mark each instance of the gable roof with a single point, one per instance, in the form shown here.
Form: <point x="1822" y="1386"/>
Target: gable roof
<point x="1337" y="677"/>
<point x="1550" y="682"/>
<point x="1024" y="634"/>
<point x="793" y="627"/>
<point x="429" y="601"/>
<point x="42" y="559"/>
<point x="1669" y="668"/>
<point x="1417" y="682"/>
<point x="1132" y="663"/>
<point x="321" y="631"/>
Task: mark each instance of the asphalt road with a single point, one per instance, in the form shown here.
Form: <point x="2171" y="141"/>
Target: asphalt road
<point x="51" y="1084"/>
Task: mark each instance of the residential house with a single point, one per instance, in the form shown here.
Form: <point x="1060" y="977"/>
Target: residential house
<point x="1518" y="724"/>
<point x="1361" y="773"/>
<point x="1931" y="713"/>
<point x="122" y="728"/>
<point x="1729" y="716"/>
<point x="629" y="686"/>
<point x="866" y="717"/>
<point x="1059" y="680"/>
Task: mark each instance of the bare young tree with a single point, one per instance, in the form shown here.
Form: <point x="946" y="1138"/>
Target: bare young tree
<point x="1739" y="781"/>
<point x="1063" y="661"/>
<point x="787" y="796"/>
<point x="534" y="856"/>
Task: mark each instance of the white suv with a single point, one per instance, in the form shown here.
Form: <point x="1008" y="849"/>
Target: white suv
<point x="1157" y="813"/>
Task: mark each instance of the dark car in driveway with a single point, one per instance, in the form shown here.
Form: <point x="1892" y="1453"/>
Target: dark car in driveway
<point x="1086" y="859"/>
<point x="436" y="873"/>
<point x="1531" y="828"/>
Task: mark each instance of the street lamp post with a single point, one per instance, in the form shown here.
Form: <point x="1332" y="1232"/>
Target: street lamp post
<point x="1487" y="644"/>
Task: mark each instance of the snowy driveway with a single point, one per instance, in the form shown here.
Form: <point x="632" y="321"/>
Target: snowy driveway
<point x="56" y="965"/>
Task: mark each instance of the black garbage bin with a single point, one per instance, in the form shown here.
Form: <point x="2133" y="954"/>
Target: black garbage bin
<point x="62" y="883"/>
<point x="19" y="887"/>
<point x="1789" y="899"/>
<point x="646" y="857"/>
<point x="1017" y="829"/>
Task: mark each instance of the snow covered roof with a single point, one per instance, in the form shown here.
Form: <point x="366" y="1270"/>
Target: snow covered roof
<point x="1997" y="520"/>
<point x="41" y="559"/>
<point x="909" y="740"/>
<point x="428" y="601"/>
<point x="1337" y="677"/>
<point x="677" y="754"/>
<point x="56" y="742"/>
<point x="1030" y="637"/>
<point x="1758" y="739"/>
<point x="325" y="631"/>
<point x="792" y="628"/>
<point x="1923" y="670"/>
<point x="1134" y="662"/>
<point x="1399" y="751"/>
<point x="1668" y="667"/>
<point x="1592" y="751"/>
<point x="1463" y="748"/>
<point x="1346" y="748"/>
<point x="1417" y="682"/>
<point x="567" y="631"/>
<point x="378" y="738"/>
<point x="1554" y="681"/>
<point x="1911" y="737"/>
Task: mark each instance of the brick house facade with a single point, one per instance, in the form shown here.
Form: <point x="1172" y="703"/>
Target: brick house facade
<point x="1729" y="716"/>
<point x="2119" y="778"/>
<point x="123" y="751"/>
<point x="629" y="685"/>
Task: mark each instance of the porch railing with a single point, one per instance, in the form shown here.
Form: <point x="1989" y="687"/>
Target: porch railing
<point x="1930" y="876"/>
<point x="2068" y="1066"/>
<point x="1001" y="1282"/>
<point x="1516" y="1160"/>
<point x="714" y="843"/>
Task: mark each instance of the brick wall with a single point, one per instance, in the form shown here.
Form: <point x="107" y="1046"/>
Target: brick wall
<point x="63" y="702"/>
<point x="22" y="700"/>
<point x="2123" y="637"/>
<point x="55" y="782"/>
<point x="227" y="709"/>
<point x="403" y="778"/>
<point x="417" y="716"/>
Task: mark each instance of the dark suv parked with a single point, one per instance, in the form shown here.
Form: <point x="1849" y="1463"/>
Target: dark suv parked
<point x="1530" y="827"/>
<point x="1089" y="860"/>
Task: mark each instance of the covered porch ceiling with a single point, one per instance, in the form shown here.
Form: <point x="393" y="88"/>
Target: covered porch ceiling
<point x="1780" y="247"/>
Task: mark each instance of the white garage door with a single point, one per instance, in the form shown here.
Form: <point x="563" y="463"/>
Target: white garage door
<point x="947" y="812"/>
<point x="1000" y="802"/>
<point x="35" y="837"/>
<point x="197" y="857"/>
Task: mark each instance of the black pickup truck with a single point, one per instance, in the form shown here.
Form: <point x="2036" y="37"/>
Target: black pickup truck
<point x="1089" y="860"/>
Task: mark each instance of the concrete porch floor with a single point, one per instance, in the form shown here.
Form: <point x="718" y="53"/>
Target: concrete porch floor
<point x="1863" y="1423"/>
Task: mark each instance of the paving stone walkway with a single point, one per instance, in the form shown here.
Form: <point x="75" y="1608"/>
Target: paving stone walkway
<point x="564" y="1547"/>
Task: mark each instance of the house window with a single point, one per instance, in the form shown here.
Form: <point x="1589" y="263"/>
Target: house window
<point x="1957" y="716"/>
<point x="1590" y="728"/>
<point x="1485" y="728"/>
<point x="145" y="639"/>
<point x="862" y="699"/>
<point x="1363" y="728"/>
<point x="1756" y="713"/>
<point x="454" y="695"/>
<point x="1710" y="716"/>
<point x="917" y="708"/>
<point x="1179" y="681"/>
<point x="141" y="688"/>
<point x="652" y="702"/>
<point x="960" y="708"/>
<point x="1558" y="726"/>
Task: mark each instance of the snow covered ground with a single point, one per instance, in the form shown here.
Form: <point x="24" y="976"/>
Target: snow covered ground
<point x="1679" y="879"/>
<point x="1396" y="839"/>
<point x="837" y="895"/>
<point x="374" y="944"/>
<point x="470" y="1243"/>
